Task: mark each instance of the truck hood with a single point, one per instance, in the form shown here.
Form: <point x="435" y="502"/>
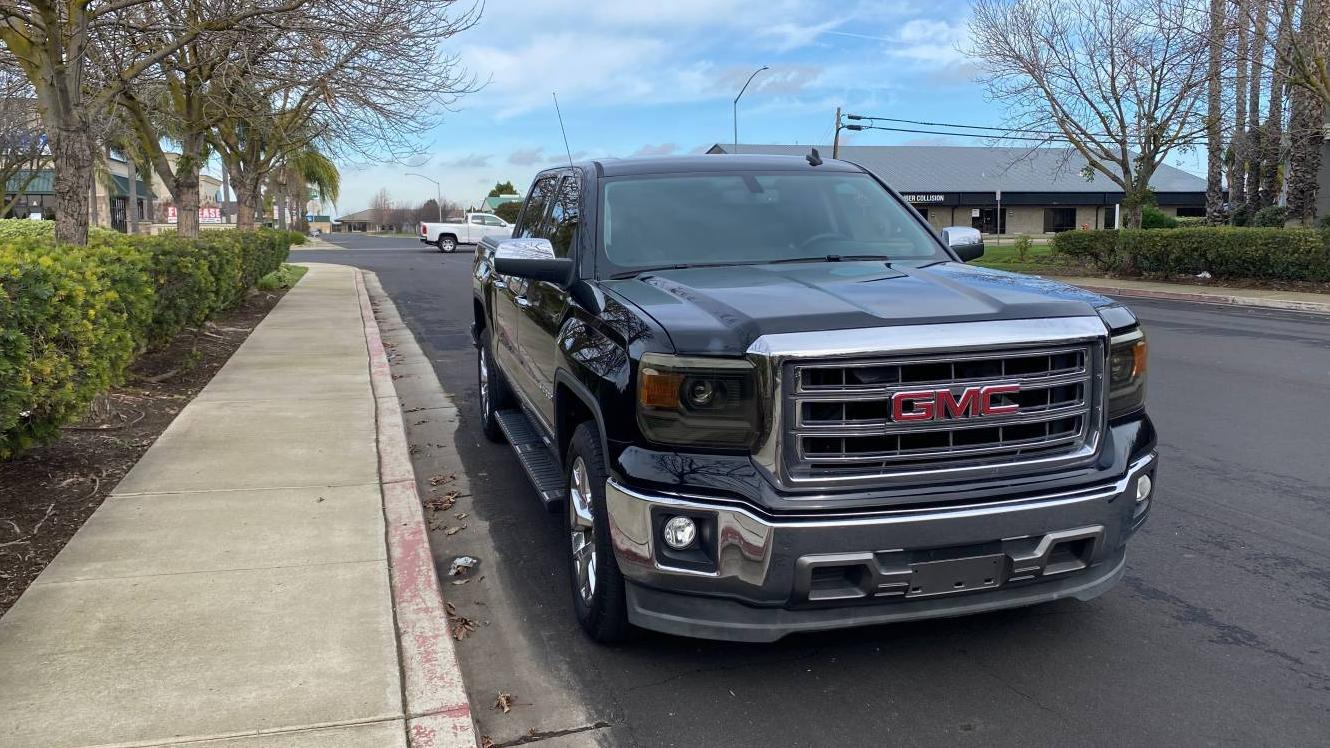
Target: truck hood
<point x="722" y="310"/>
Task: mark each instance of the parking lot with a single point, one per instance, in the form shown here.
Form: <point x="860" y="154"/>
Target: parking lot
<point x="1217" y="635"/>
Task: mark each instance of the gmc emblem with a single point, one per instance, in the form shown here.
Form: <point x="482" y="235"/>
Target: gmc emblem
<point x="937" y="405"/>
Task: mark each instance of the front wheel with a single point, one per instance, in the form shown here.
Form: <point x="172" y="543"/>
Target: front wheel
<point x="447" y="244"/>
<point x="494" y="392"/>
<point x="597" y="585"/>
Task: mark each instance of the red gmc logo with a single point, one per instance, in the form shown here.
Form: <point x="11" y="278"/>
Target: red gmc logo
<point x="936" y="405"/>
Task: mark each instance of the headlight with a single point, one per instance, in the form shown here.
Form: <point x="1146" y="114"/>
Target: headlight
<point x="697" y="402"/>
<point x="1126" y="373"/>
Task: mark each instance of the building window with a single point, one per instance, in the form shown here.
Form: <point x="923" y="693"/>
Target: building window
<point x="1111" y="217"/>
<point x="1059" y="219"/>
<point x="923" y="212"/>
<point x="1189" y="211"/>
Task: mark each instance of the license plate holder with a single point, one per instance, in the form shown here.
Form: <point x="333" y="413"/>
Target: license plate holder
<point x="932" y="578"/>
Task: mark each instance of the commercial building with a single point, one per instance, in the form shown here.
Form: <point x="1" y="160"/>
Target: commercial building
<point x="1002" y="190"/>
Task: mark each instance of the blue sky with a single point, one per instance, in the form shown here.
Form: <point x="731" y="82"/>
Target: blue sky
<point x="654" y="78"/>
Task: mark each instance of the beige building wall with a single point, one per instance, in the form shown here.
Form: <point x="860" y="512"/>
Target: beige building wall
<point x="1021" y="219"/>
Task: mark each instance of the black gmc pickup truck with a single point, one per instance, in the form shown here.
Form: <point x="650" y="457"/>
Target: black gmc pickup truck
<point x="767" y="398"/>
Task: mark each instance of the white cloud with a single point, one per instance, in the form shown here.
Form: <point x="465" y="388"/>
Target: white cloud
<point x="664" y="149"/>
<point x="526" y="156"/>
<point x="931" y="42"/>
<point x="469" y="161"/>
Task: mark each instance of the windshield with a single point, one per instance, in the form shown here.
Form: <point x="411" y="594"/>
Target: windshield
<point x="699" y="219"/>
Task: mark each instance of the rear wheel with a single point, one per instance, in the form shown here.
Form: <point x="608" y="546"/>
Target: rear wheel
<point x="597" y="585"/>
<point x="494" y="392"/>
<point x="447" y="244"/>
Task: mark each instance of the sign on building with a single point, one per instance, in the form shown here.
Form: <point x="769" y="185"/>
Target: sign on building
<point x="206" y="214"/>
<point x="925" y="198"/>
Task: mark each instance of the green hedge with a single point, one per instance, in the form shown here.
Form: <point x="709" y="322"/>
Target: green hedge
<point x="72" y="318"/>
<point x="1224" y="251"/>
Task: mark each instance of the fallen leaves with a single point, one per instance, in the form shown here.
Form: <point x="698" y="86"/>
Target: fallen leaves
<point x="441" y="503"/>
<point x="452" y="530"/>
<point x="486" y="741"/>
<point x="459" y="625"/>
<point x="504" y="702"/>
<point x="439" y="480"/>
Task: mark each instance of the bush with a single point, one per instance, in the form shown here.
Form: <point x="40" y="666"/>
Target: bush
<point x="1223" y="251"/>
<point x="1154" y="218"/>
<point x="1271" y="216"/>
<point x="72" y="318"/>
<point x="1098" y="247"/>
<point x="1023" y="246"/>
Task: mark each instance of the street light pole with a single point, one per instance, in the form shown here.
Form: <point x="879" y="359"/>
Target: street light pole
<point x="736" y="104"/>
<point x="438" y="192"/>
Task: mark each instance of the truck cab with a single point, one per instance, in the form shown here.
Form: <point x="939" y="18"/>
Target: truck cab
<point x="470" y="230"/>
<point x="765" y="397"/>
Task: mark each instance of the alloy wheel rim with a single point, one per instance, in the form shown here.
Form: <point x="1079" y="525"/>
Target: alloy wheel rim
<point x="484" y="384"/>
<point x="583" y="531"/>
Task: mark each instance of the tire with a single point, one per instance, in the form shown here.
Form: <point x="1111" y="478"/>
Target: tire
<point x="494" y="392"/>
<point x="597" y="586"/>
<point x="447" y="244"/>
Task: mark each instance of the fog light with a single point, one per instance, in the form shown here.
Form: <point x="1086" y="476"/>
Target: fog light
<point x="680" y="532"/>
<point x="1143" y="487"/>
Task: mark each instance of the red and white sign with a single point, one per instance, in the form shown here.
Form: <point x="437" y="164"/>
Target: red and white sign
<point x="206" y="215"/>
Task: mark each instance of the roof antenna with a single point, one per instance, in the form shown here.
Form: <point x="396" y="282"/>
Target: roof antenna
<point x="813" y="158"/>
<point x="568" y="150"/>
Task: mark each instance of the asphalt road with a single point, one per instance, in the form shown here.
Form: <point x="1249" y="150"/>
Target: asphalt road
<point x="1220" y="633"/>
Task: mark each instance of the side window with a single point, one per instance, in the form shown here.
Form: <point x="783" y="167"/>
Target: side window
<point x="492" y="221"/>
<point x="478" y="220"/>
<point x="533" y="215"/>
<point x="563" y="215"/>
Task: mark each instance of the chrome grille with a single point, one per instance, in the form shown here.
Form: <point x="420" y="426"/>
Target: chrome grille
<point x="839" y="417"/>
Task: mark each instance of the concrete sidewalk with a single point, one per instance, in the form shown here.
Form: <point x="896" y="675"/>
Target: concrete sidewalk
<point x="257" y="579"/>
<point x="1254" y="297"/>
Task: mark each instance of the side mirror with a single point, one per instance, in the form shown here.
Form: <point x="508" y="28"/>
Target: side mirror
<point x="533" y="259"/>
<point x="966" y="242"/>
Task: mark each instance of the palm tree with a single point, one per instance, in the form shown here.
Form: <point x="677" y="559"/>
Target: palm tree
<point x="303" y="173"/>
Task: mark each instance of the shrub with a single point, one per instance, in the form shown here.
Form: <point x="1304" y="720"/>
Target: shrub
<point x="1223" y="251"/>
<point x="72" y="318"/>
<point x="1154" y="218"/>
<point x="1023" y="246"/>
<point x="1271" y="216"/>
<point x="1188" y="222"/>
<point x="1098" y="247"/>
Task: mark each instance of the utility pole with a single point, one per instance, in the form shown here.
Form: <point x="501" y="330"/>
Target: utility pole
<point x="835" y="139"/>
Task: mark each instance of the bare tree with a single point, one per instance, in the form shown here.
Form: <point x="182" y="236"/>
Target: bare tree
<point x="381" y="207"/>
<point x="1123" y="80"/>
<point x="1310" y="95"/>
<point x="1253" y="146"/>
<point x="361" y="79"/>
<point x="1214" y="114"/>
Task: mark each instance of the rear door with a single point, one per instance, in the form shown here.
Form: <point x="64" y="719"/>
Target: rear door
<point x="510" y="292"/>
<point x="545" y="304"/>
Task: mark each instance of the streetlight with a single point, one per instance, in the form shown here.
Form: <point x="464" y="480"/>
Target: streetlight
<point x="736" y="105"/>
<point x="438" y="192"/>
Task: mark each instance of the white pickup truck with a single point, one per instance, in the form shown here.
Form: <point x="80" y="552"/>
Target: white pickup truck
<point x="472" y="228"/>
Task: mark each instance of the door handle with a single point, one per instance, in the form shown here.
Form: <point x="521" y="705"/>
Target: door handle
<point x="522" y="301"/>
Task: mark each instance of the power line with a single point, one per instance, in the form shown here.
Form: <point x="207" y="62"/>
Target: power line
<point x="1023" y="130"/>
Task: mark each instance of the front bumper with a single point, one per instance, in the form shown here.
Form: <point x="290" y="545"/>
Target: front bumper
<point x="757" y="577"/>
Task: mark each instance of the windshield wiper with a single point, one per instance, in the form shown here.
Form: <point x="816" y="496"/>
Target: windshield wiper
<point x="675" y="266"/>
<point x="831" y="258"/>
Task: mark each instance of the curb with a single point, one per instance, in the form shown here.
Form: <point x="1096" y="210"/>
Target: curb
<point x="1314" y="307"/>
<point x="437" y="711"/>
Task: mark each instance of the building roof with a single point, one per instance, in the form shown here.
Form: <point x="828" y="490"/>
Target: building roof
<point x="490" y="203"/>
<point x="360" y="215"/>
<point x="937" y="168"/>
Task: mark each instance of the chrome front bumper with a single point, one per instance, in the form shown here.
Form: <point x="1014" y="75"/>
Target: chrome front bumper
<point x="757" y="578"/>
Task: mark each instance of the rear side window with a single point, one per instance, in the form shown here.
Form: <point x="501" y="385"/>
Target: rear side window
<point x="563" y="216"/>
<point x="529" y="226"/>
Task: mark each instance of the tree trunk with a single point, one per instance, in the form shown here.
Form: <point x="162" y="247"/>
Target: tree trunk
<point x="1306" y="122"/>
<point x="185" y="192"/>
<point x="1253" y="147"/>
<point x="248" y="199"/>
<point x="1272" y="134"/>
<point x="1214" y="172"/>
<point x="1237" y="143"/>
<point x="72" y="156"/>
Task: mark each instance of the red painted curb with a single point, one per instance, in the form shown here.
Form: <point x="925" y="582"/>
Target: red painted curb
<point x="437" y="711"/>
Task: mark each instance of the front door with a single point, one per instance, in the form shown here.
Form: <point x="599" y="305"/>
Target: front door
<point x="547" y="303"/>
<point x="510" y="294"/>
